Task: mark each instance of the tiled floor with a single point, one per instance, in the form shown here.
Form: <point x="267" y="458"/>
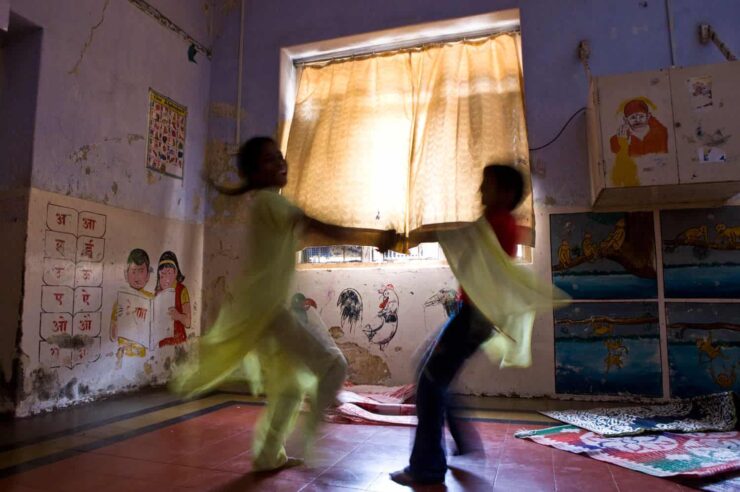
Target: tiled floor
<point x="204" y="445"/>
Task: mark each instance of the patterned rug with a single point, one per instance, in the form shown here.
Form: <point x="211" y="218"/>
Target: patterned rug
<point x="723" y="484"/>
<point x="701" y="414"/>
<point x="663" y="454"/>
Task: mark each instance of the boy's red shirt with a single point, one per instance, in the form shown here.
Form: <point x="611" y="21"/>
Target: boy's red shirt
<point x="505" y="228"/>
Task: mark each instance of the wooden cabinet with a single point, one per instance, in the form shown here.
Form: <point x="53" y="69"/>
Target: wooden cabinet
<point x="668" y="137"/>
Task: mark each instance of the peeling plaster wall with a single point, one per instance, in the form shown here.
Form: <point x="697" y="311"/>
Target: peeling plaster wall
<point x="91" y="363"/>
<point x="13" y="224"/>
<point x="625" y="36"/>
<point x="419" y="318"/>
<point x="99" y="58"/>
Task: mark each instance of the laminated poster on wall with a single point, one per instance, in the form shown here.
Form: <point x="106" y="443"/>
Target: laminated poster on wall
<point x="604" y="255"/>
<point x="700" y="91"/>
<point x="608" y="348"/>
<point x="701" y="253"/>
<point x="166" y="135"/>
<point x="711" y="154"/>
<point x="703" y="347"/>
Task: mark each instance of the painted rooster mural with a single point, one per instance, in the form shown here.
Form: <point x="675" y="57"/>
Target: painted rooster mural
<point x="385" y="330"/>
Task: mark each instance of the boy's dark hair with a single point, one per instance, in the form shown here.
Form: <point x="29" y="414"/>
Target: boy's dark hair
<point x="138" y="257"/>
<point x="507" y="178"/>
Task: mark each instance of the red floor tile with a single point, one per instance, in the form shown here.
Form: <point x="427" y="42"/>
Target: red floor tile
<point x="241" y="463"/>
<point x="578" y="480"/>
<point x="272" y="483"/>
<point x="347" y="476"/>
<point x="212" y="452"/>
<point x="628" y="480"/>
<point x="524" y="477"/>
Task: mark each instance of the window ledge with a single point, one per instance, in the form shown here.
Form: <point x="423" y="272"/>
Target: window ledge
<point x="390" y="265"/>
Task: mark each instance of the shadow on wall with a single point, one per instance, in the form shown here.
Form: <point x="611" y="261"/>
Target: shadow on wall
<point x="20" y="56"/>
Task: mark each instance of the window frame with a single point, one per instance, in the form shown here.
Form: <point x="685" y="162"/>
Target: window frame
<point x="292" y="58"/>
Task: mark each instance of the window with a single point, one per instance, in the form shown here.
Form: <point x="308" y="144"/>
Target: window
<point x="368" y="254"/>
<point x="335" y="255"/>
<point x="398" y="139"/>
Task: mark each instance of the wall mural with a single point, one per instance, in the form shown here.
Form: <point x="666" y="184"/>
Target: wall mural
<point x="604" y="255"/>
<point x="608" y="348"/>
<point x="701" y="253"/>
<point x="363" y="366"/>
<point x="640" y="133"/>
<point x="71" y="292"/>
<point x="447" y="298"/>
<point x="143" y="319"/>
<point x="385" y="327"/>
<point x="703" y="347"/>
<point x="350" y="309"/>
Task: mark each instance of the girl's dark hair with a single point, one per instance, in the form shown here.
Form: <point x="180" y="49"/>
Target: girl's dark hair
<point x="507" y="178"/>
<point x="166" y="261"/>
<point x="246" y="163"/>
<point x="249" y="154"/>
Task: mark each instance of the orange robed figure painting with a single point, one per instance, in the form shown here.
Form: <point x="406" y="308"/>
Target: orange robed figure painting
<point x="640" y="134"/>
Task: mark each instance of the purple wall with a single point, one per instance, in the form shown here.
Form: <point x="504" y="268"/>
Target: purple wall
<point x="625" y="36"/>
<point x="20" y="54"/>
<point x="19" y="78"/>
<point x="98" y="60"/>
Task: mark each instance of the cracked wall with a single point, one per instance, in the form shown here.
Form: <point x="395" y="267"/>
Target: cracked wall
<point x="89" y="151"/>
<point x="625" y="36"/>
<point x="100" y="59"/>
<point x="122" y="336"/>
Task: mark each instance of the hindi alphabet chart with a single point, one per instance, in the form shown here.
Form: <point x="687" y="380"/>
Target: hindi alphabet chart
<point x="165" y="149"/>
<point x="71" y="292"/>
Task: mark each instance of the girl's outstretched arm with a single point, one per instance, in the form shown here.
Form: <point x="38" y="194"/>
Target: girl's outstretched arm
<point x="384" y="240"/>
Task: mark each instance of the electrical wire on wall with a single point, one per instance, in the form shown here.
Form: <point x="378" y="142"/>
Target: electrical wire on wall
<point x="532" y="149"/>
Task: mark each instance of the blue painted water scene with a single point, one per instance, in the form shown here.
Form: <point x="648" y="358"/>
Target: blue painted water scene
<point x="703" y="347"/>
<point x="604" y="255"/>
<point x="701" y="253"/>
<point x="608" y="348"/>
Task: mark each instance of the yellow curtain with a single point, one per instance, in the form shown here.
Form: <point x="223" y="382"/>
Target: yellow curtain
<point x="399" y="140"/>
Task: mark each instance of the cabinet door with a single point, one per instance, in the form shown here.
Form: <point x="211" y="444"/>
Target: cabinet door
<point x="636" y="130"/>
<point x="706" y="106"/>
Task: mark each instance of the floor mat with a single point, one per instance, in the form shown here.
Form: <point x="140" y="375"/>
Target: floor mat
<point x="663" y="454"/>
<point x="701" y="414"/>
<point x="374" y="405"/>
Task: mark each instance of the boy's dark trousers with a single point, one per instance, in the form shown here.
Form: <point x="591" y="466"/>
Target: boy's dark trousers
<point x="457" y="341"/>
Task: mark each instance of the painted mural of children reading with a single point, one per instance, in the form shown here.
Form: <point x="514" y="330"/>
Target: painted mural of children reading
<point x="297" y="360"/>
<point x="173" y="296"/>
<point x="499" y="302"/>
<point x="130" y="317"/>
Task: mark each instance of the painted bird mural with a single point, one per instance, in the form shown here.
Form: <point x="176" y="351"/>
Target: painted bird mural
<point x="385" y="330"/>
<point x="350" y="308"/>
<point x="299" y="304"/>
<point x="447" y="298"/>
